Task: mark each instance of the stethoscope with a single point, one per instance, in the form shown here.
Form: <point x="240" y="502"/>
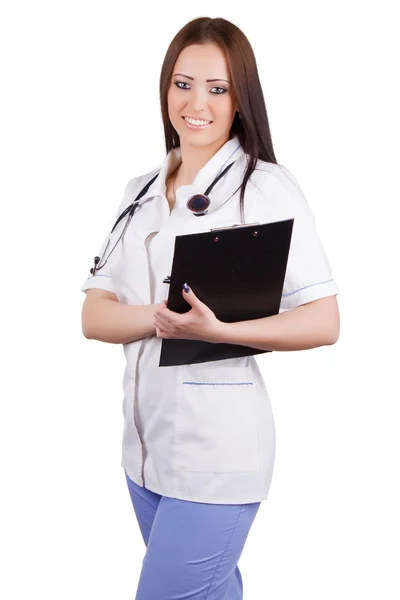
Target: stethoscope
<point x="197" y="204"/>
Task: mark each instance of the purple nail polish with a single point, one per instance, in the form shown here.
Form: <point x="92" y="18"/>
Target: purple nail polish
<point x="186" y="287"/>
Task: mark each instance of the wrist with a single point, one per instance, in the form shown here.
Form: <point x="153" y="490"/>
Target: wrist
<point x="221" y="333"/>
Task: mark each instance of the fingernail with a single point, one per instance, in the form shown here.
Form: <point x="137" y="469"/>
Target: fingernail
<point x="186" y="287"/>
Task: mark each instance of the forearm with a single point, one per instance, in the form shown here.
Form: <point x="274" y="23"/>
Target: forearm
<point x="119" y="323"/>
<point x="304" y="327"/>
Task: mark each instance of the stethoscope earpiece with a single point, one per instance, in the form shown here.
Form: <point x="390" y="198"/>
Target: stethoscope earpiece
<point x="96" y="262"/>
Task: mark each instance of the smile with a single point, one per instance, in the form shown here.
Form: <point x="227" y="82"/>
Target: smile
<point x="196" y="123"/>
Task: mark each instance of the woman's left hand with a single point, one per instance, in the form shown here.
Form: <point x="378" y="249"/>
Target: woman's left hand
<point x="199" y="323"/>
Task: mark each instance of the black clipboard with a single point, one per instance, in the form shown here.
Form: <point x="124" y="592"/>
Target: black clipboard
<point x="238" y="271"/>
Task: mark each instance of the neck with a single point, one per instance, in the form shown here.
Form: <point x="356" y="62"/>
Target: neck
<point x="194" y="158"/>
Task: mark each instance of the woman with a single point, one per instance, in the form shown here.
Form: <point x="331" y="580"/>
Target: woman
<point x="199" y="440"/>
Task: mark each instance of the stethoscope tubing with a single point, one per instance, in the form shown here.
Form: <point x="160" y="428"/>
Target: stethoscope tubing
<point x="130" y="211"/>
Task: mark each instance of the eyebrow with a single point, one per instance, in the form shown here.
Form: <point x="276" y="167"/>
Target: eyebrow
<point x="192" y="78"/>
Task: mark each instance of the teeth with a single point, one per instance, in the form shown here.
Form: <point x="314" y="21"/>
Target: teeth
<point x="196" y="121"/>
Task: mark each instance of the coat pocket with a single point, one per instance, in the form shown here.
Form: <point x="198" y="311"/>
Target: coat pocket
<point x="216" y="422"/>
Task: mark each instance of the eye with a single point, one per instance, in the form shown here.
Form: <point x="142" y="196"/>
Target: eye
<point x="219" y="88"/>
<point x="178" y="86"/>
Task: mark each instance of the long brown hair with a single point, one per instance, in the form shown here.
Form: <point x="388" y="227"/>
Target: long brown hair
<point x="253" y="127"/>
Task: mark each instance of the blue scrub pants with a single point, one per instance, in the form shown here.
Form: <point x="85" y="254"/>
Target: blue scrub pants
<point x="192" y="547"/>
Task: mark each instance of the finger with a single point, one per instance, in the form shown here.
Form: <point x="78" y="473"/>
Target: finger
<point x="164" y="334"/>
<point x="163" y="319"/>
<point x="163" y="327"/>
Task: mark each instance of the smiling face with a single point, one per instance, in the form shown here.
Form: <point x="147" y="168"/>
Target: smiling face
<point x="191" y="95"/>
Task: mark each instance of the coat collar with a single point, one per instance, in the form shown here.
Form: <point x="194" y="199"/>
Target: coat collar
<point x="229" y="152"/>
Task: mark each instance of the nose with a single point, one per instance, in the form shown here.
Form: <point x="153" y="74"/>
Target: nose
<point x="199" y="101"/>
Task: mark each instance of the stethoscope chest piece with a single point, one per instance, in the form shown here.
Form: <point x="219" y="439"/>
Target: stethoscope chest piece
<point x="198" y="204"/>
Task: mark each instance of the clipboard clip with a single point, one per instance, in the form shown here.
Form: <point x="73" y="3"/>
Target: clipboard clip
<point x="168" y="278"/>
<point x="237" y="225"/>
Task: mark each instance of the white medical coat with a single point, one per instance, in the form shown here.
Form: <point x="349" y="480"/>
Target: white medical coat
<point x="186" y="434"/>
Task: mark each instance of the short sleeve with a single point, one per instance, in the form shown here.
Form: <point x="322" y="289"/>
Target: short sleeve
<point x="103" y="279"/>
<point x="308" y="274"/>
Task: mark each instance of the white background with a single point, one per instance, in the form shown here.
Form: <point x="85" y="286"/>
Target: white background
<point x="80" y="116"/>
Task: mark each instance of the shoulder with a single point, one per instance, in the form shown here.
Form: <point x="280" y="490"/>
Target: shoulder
<point x="134" y="186"/>
<point x="270" y="175"/>
<point x="278" y="191"/>
<point x="137" y="183"/>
